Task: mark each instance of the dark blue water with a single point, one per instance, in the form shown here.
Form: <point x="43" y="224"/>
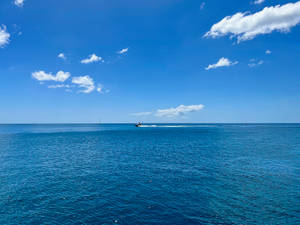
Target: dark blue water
<point x="119" y="174"/>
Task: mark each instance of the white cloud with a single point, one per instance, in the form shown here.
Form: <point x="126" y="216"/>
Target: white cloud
<point x="92" y="58"/>
<point x="221" y="63"/>
<point x="4" y="36"/>
<point x="172" y="112"/>
<point x="254" y="62"/>
<point x="123" y="51"/>
<point x="62" y="56"/>
<point x="257" y="2"/>
<point x="19" y="3"/>
<point x="268" y="52"/>
<point x="85" y="82"/>
<point x="60" y="76"/>
<point x="247" y="26"/>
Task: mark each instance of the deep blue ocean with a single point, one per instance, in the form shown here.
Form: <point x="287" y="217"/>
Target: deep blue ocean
<point x="165" y="174"/>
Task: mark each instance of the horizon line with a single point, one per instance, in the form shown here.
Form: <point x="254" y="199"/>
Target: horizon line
<point x="79" y="123"/>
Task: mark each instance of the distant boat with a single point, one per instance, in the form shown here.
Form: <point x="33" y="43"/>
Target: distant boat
<point x="139" y="124"/>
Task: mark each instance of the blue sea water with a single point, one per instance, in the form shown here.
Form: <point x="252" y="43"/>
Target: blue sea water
<point x="163" y="174"/>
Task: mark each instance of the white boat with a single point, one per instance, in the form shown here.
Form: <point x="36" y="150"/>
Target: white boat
<point x="139" y="124"/>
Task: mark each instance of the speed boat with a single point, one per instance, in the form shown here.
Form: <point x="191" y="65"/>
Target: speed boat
<point x="139" y="124"/>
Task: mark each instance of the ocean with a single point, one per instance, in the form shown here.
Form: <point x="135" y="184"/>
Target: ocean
<point x="157" y="174"/>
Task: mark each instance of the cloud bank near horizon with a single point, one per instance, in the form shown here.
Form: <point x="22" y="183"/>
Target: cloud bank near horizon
<point x="180" y="110"/>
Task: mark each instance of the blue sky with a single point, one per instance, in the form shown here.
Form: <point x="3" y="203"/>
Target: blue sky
<point x="151" y="61"/>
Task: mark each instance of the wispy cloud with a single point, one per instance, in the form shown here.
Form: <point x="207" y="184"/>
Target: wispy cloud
<point x="247" y="26"/>
<point x="142" y="114"/>
<point x="268" y="52"/>
<point x="257" y="2"/>
<point x="62" y="56"/>
<point x="223" y="62"/>
<point x="100" y="88"/>
<point x="202" y="5"/>
<point x="4" y="36"/>
<point x="59" y="86"/>
<point x="19" y="3"/>
<point x="180" y="110"/>
<point x="60" y="76"/>
<point x="123" y="51"/>
<point x="85" y="82"/>
<point x="255" y="62"/>
<point x="92" y="58"/>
